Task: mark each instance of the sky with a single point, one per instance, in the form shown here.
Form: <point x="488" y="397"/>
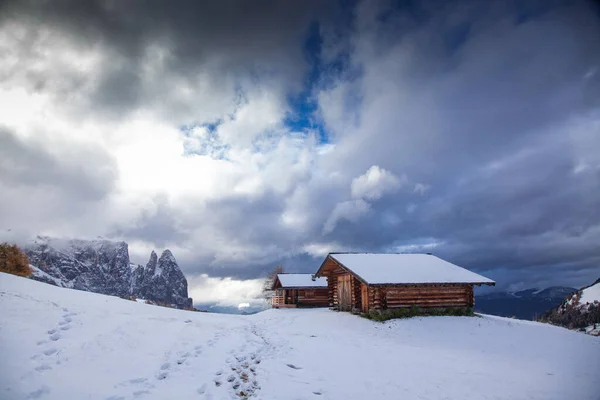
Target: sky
<point x="243" y="135"/>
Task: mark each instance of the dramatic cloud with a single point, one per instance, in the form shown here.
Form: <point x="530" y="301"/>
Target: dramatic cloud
<point x="242" y="135"/>
<point x="375" y="182"/>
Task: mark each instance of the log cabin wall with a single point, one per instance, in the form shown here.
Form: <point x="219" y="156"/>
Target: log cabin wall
<point x="333" y="271"/>
<point x="424" y="296"/>
<point x="382" y="297"/>
<point x="376" y="296"/>
<point x="313" y="297"/>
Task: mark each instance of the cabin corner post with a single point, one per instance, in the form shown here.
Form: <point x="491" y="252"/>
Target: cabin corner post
<point x="471" y="296"/>
<point x="377" y="299"/>
<point x="383" y="296"/>
<point x="330" y="291"/>
<point x="356" y="293"/>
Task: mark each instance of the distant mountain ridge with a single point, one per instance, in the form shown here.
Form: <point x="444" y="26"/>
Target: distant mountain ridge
<point x="103" y="266"/>
<point x="524" y="304"/>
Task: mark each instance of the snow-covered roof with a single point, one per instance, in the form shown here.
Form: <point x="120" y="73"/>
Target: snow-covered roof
<point x="377" y="269"/>
<point x="301" y="280"/>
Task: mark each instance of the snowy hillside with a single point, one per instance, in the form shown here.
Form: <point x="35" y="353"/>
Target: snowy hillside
<point x="590" y="294"/>
<point x="59" y="343"/>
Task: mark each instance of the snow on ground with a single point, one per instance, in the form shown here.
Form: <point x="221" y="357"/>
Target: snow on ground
<point x="59" y="343"/>
<point x="593" y="329"/>
<point x="590" y="294"/>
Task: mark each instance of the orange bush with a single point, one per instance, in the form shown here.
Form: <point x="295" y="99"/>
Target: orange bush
<point x="13" y="260"/>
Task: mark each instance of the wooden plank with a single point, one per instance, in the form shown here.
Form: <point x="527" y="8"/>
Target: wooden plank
<point x="364" y="298"/>
<point x="344" y="292"/>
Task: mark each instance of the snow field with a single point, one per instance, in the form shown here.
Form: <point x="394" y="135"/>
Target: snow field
<point x="59" y="343"/>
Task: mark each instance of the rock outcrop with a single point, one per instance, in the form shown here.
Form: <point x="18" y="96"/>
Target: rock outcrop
<point x="161" y="280"/>
<point x="579" y="311"/>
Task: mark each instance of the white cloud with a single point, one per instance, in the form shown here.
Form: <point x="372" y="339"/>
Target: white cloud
<point x="322" y="249"/>
<point x="225" y="291"/>
<point x="375" y="183"/>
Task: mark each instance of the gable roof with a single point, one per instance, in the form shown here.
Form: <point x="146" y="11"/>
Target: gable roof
<point x="301" y="281"/>
<point x="379" y="269"/>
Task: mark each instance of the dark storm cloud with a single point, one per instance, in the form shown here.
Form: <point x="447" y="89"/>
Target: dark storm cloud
<point x="490" y="126"/>
<point x="239" y="39"/>
<point x="83" y="174"/>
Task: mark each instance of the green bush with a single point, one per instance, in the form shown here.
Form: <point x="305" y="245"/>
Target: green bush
<point x="414" y="311"/>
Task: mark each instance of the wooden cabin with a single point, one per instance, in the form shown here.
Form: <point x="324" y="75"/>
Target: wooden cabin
<point x="367" y="281"/>
<point x="299" y="290"/>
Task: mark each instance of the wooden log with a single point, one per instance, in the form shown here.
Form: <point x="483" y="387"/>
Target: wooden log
<point x="454" y="305"/>
<point x="395" y="292"/>
<point x="391" y="298"/>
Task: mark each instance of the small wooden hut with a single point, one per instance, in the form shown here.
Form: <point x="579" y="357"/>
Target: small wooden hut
<point x="366" y="281"/>
<point x="299" y="290"/>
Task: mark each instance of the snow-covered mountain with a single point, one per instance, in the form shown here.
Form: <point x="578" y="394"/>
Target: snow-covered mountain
<point x="68" y="344"/>
<point x="579" y="310"/>
<point x="103" y="266"/>
<point x="523" y="304"/>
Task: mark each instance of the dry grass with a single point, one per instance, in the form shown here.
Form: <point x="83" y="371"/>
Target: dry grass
<point x="13" y="260"/>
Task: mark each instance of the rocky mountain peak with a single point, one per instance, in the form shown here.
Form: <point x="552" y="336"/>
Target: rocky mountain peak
<point x="151" y="265"/>
<point x="103" y="266"/>
<point x="167" y="257"/>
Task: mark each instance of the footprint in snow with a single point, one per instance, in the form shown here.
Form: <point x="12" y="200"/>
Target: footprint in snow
<point x="201" y="389"/>
<point x="43" y="367"/>
<point x="165" y="366"/>
<point x="55" y="336"/>
<point x="51" y="331"/>
<point x="182" y="359"/>
<point x="65" y="327"/>
<point x="292" y="366"/>
<point x="38" y="393"/>
<point x="51" y="351"/>
<point x="161" y="376"/>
